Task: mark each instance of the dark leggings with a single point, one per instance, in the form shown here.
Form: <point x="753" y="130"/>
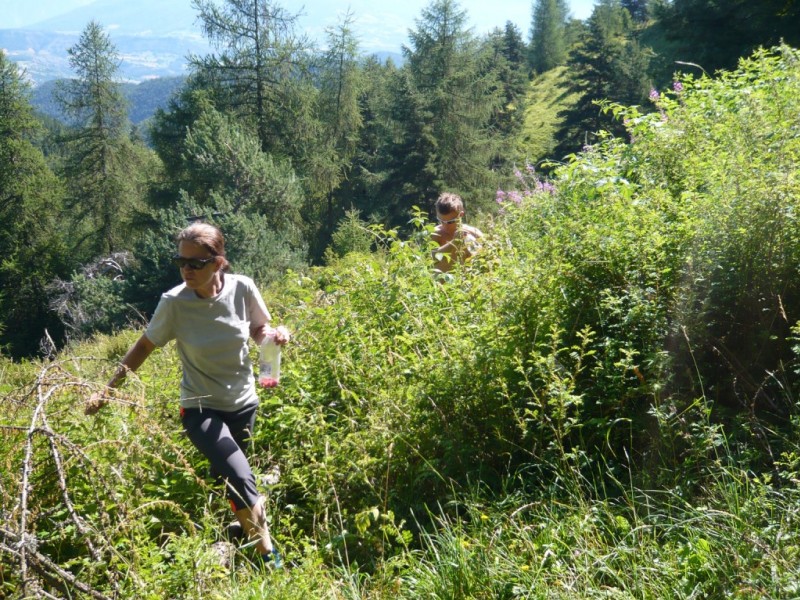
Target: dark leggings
<point x="223" y="438"/>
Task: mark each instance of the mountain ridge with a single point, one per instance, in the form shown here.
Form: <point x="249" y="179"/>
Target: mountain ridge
<point x="157" y="47"/>
<point x="143" y="98"/>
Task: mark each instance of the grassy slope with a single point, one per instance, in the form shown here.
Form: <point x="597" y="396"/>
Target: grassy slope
<point x="731" y="534"/>
<point x="642" y="545"/>
<point x="547" y="96"/>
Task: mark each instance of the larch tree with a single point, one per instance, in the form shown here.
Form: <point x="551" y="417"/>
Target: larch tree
<point x="339" y="82"/>
<point x="100" y="156"/>
<point x="259" y="69"/>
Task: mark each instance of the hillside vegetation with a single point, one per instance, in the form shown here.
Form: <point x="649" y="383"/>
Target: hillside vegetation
<point x="547" y="96"/>
<point x="603" y="404"/>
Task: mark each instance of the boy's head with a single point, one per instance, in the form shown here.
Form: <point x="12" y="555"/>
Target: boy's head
<point x="448" y="204"/>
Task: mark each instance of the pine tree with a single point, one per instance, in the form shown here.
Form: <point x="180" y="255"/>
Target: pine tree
<point x="375" y="156"/>
<point x="510" y="62"/>
<point x="100" y="156"/>
<point x="549" y="45"/>
<point x="31" y="235"/>
<point x="260" y="69"/>
<point x="638" y="9"/>
<point x="607" y="64"/>
<point x="449" y="97"/>
<point x="239" y="174"/>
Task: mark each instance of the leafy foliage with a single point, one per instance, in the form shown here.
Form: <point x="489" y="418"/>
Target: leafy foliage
<point x="718" y="33"/>
<point x="32" y="240"/>
<point x="551" y="415"/>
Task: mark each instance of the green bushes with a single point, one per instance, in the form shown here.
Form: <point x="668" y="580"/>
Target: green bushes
<point x="627" y="326"/>
<point x="586" y="330"/>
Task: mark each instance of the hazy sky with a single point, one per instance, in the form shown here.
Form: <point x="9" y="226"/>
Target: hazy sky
<point x="385" y="25"/>
<point x="380" y="25"/>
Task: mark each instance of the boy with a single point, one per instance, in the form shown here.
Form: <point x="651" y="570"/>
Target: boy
<point x="456" y="240"/>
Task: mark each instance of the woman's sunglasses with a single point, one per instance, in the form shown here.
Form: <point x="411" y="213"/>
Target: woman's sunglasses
<point x="195" y="264"/>
<point x="447" y="221"/>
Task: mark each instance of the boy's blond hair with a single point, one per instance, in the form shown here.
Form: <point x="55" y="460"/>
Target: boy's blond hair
<point x="448" y="202"/>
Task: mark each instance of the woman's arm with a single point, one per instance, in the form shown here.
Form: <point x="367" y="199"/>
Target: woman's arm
<point x="132" y="360"/>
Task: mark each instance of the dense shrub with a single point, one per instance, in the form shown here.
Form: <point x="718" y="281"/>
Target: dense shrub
<point x="631" y="324"/>
<point x="605" y="321"/>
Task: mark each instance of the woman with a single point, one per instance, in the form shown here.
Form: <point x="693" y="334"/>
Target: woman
<point x="211" y="315"/>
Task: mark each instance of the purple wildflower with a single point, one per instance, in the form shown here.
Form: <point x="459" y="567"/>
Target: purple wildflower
<point x="654" y="95"/>
<point x="677" y="87"/>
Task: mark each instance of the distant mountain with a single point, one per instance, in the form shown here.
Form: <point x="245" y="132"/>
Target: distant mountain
<point x="154" y="37"/>
<point x="151" y="18"/>
<point x="143" y="98"/>
<point x="43" y="55"/>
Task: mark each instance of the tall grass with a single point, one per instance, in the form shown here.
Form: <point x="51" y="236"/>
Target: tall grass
<point x="602" y="404"/>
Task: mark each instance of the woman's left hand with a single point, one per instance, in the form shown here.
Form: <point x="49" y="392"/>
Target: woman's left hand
<point x="282" y="335"/>
<point x="259" y="334"/>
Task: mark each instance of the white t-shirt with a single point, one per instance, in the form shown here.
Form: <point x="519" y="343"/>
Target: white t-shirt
<point x="212" y="341"/>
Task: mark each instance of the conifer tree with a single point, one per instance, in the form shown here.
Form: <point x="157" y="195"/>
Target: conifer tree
<point x="168" y="137"/>
<point x="375" y="153"/>
<point x="446" y="104"/>
<point x="549" y="44"/>
<point x="716" y="34"/>
<point x="509" y="60"/>
<point x="100" y="157"/>
<point x="229" y="158"/>
<point x="31" y="235"/>
<point x="638" y="9"/>
<point x="607" y="64"/>
<point x="340" y="119"/>
<point x="260" y="70"/>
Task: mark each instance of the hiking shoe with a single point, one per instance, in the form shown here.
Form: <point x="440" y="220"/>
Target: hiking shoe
<point x="234" y="531"/>
<point x="272" y="559"/>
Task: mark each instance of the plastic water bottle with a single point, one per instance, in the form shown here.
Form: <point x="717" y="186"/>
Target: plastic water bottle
<point x="269" y="363"/>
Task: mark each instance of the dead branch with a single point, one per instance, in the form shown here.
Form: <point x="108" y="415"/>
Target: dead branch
<point x="41" y="454"/>
<point x="24" y="548"/>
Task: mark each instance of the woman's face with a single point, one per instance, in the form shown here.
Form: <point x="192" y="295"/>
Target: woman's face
<point x="200" y="280"/>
